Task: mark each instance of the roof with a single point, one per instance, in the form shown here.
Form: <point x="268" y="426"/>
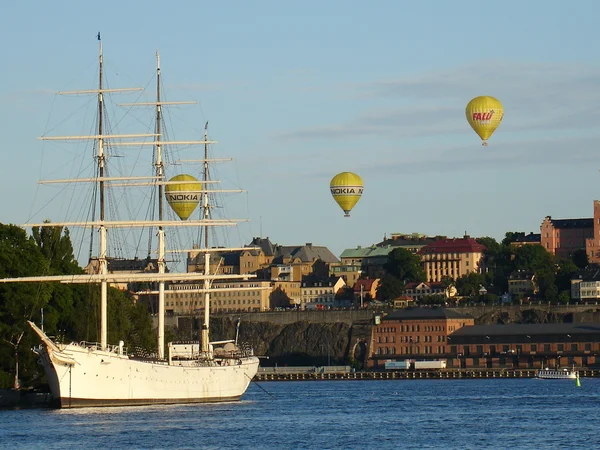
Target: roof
<point x="265" y="245"/>
<point x="306" y="253"/>
<point x="531" y="237"/>
<point x="118" y="265"/>
<point x="403" y="240"/>
<point x="519" y="329"/>
<point x="430" y="285"/>
<point x="456" y="245"/>
<point x="314" y="281"/>
<point x="367" y="252"/>
<point x="367" y="284"/>
<point x="571" y="223"/>
<point x="590" y="273"/>
<point x="425" y="314"/>
<point x="521" y="275"/>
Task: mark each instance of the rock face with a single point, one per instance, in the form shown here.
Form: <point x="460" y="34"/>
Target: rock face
<point x="296" y="344"/>
<point x="525" y="316"/>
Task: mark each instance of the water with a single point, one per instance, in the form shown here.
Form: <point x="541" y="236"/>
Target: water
<point x="417" y="414"/>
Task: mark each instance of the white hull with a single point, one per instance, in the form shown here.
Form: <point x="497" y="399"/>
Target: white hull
<point x="548" y="374"/>
<point x="81" y="376"/>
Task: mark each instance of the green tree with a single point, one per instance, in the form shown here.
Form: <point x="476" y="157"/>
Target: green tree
<point x="389" y="288"/>
<point x="468" y="285"/>
<point x="532" y="257"/>
<point x="580" y="258"/>
<point x="405" y="266"/>
<point x="19" y="257"/>
<point x="566" y="270"/>
<point x="511" y="236"/>
<point x="546" y="282"/>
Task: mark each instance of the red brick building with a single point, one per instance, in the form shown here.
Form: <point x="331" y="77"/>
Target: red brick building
<point x="415" y="333"/>
<point x="592" y="243"/>
<point x="562" y="237"/>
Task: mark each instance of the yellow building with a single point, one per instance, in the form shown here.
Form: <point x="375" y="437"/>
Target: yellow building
<point x="522" y="283"/>
<point x="187" y="298"/>
<point x="452" y="258"/>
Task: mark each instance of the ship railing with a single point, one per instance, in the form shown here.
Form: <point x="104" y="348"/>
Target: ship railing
<point x="117" y="349"/>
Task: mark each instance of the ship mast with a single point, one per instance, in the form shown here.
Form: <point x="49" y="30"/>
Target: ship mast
<point x="161" y="232"/>
<point x="205" y="216"/>
<point x="101" y="164"/>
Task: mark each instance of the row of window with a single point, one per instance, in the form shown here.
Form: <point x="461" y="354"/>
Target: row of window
<point x="574" y="347"/>
<point x="428" y="349"/>
<point x="410" y="328"/>
<point x="200" y="304"/>
<point x="386" y="339"/>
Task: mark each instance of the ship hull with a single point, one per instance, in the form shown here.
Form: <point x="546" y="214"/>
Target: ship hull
<point x="82" y="377"/>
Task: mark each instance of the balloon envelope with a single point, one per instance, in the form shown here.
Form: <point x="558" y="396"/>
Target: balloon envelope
<point x="346" y="189"/>
<point x="183" y="197"/>
<point x="484" y="114"/>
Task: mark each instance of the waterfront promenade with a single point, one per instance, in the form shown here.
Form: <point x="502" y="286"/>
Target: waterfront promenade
<point x="293" y="374"/>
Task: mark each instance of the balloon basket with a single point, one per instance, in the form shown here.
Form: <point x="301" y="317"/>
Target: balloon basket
<point x="346" y="215"/>
<point x="484" y="144"/>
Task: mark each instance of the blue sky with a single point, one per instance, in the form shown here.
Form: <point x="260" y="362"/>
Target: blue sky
<point x="299" y="91"/>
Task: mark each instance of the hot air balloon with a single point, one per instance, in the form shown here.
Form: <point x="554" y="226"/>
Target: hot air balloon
<point x="183" y="197"/>
<point x="484" y="114"/>
<point x="346" y="189"/>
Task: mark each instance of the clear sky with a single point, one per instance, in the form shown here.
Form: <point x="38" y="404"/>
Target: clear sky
<point x="299" y="91"/>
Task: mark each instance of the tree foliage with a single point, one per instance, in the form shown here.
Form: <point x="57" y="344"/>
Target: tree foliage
<point x="70" y="311"/>
<point x="405" y="266"/>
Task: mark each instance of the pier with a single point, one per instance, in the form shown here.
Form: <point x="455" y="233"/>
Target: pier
<point x="306" y="374"/>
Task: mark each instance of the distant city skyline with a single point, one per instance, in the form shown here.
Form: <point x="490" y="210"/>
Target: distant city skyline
<point x="297" y="92"/>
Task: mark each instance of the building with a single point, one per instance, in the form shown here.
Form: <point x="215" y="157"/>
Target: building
<point x="592" y="243"/>
<point x="365" y="290"/>
<point x="114" y="265"/>
<point x="231" y="296"/>
<point x="419" y="289"/>
<point x="522" y="283"/>
<point x="412" y="242"/>
<point x="525" y="345"/>
<point x="585" y="287"/>
<point x="562" y="237"/>
<point x="404" y="301"/>
<point x="318" y="293"/>
<point x="350" y="273"/>
<point x="414" y="333"/>
<point x="531" y="238"/>
<point x="452" y="258"/>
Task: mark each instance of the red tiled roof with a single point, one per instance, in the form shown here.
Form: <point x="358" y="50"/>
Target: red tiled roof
<point x="460" y="245"/>
<point x="366" y="284"/>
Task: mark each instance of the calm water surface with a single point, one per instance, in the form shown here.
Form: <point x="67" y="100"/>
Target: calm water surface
<point x="448" y="414"/>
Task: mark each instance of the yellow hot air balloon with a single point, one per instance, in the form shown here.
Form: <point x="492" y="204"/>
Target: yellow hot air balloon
<point x="183" y="197"/>
<point x="346" y="189"/>
<point x="484" y="115"/>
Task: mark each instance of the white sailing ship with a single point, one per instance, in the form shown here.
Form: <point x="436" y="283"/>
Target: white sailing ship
<point x="98" y="374"/>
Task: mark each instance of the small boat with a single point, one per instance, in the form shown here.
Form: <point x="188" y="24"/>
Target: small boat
<point x="557" y="374"/>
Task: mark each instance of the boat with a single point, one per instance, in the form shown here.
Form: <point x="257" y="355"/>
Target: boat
<point x="557" y="374"/>
<point x="82" y="374"/>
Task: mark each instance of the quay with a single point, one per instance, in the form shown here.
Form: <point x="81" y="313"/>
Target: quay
<point x="285" y="374"/>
